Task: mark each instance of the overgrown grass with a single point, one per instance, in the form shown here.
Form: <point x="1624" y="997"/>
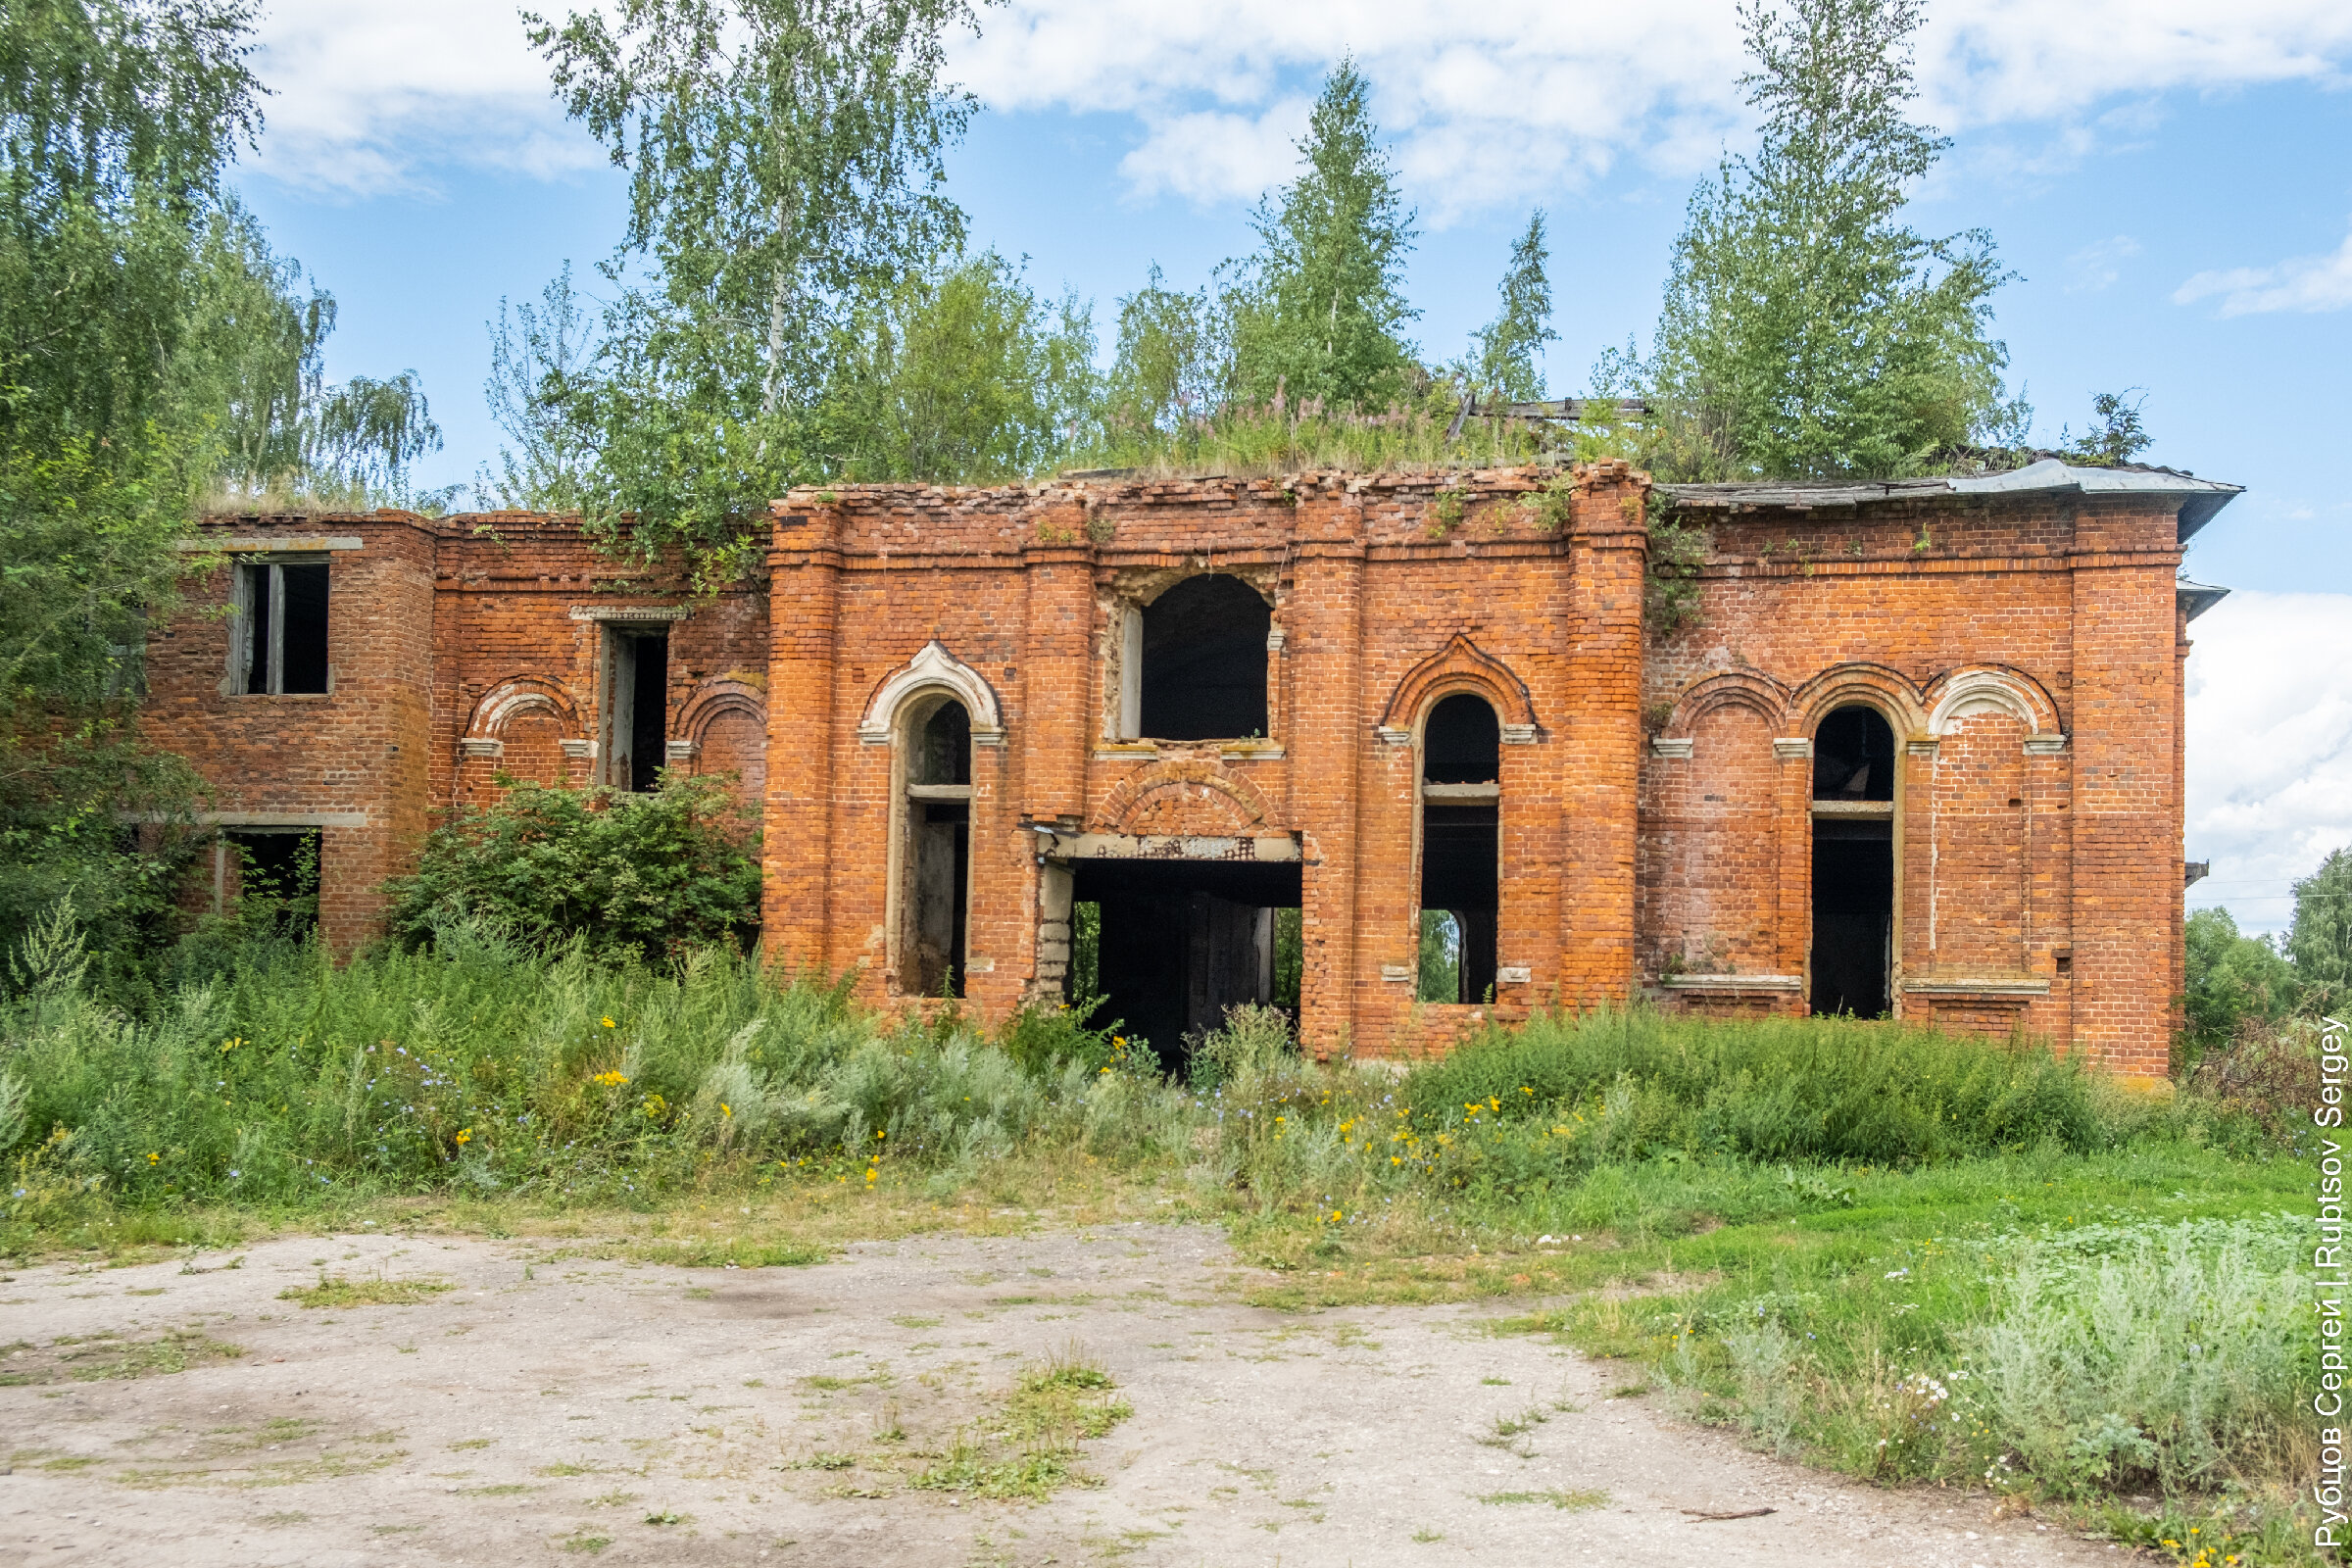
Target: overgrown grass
<point x="1895" y="1253"/>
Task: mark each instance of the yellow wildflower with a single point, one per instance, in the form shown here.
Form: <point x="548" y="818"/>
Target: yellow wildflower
<point x="610" y="1025"/>
<point x="464" y="1135"/>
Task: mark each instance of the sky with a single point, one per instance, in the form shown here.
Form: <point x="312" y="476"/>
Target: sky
<point x="2170" y="181"/>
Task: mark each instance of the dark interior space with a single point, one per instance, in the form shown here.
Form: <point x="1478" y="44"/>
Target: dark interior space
<point x="1205" y="660"/>
<point x="1853" y="756"/>
<point x="1853" y="914"/>
<point x="649" y="717"/>
<point x="939" y="812"/>
<point x="278" y="879"/>
<point x="260" y="610"/>
<point x="302" y="663"/>
<point x="1462" y="742"/>
<point x="1178" y="942"/>
<point x="1459" y="847"/>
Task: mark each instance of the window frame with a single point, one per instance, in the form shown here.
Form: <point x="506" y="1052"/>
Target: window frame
<point x="268" y="572"/>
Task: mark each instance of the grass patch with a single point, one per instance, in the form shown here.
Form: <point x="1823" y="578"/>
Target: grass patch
<point x="1027" y="1446"/>
<point x="1579" y="1501"/>
<point x="336" y="1290"/>
<point x="101" y="1358"/>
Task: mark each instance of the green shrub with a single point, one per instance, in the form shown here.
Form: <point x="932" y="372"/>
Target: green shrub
<point x="1630" y="1084"/>
<point x="2126" y="1353"/>
<point x="2234" y="983"/>
<point x="674" y="869"/>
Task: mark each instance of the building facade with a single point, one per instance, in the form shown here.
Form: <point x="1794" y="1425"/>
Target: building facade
<point x="1911" y="748"/>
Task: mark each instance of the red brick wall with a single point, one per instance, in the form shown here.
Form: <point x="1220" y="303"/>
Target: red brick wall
<point x="2024" y="648"/>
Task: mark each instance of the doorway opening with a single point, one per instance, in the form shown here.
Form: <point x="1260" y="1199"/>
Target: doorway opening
<point x="637" y="708"/>
<point x="1853" y="863"/>
<point x="271" y="875"/>
<point x="936" y="850"/>
<point x="1175" y="943"/>
<point x="1461" y="850"/>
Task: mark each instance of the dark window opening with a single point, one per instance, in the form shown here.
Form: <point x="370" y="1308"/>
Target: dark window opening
<point x="939" y="852"/>
<point x="1462" y="742"/>
<point x="1176" y="943"/>
<point x="1460" y="843"/>
<point x="276" y="880"/>
<point x="280" y="629"/>
<point x="637" y="696"/>
<point x="1853" y="756"/>
<point x="1461" y="752"/>
<point x="1853" y="915"/>
<point x="1205" y="660"/>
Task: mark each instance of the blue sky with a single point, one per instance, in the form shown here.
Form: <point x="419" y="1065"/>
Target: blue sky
<point x="2174" y="186"/>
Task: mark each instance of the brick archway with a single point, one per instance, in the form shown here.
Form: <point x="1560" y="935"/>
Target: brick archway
<point x="1749" y="689"/>
<point x="1142" y="792"/>
<point x="1461" y="665"/>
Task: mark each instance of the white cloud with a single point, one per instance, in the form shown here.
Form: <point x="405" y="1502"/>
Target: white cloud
<point x="2299" y="283"/>
<point x="366" y="94"/>
<point x="1495" y="103"/>
<point x="2095" y="267"/>
<point x="2269" y="747"/>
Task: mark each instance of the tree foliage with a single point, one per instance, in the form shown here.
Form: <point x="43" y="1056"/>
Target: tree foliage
<point x="1503" y="364"/>
<point x="1807" y="331"/>
<point x="2233" y="981"/>
<point x="2320" y="942"/>
<point x="1319" y="307"/>
<point x="959" y="376"/>
<point x="785" y="171"/>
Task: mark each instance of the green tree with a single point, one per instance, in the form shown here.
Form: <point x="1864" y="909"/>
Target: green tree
<point x="542" y="392"/>
<point x="1504" y="361"/>
<point x="785" y="165"/>
<point x="965" y="374"/>
<point x="1319" y="307"/>
<point x="1171" y="364"/>
<point x="2320" y="942"/>
<point x="2233" y="980"/>
<point x="116" y="119"/>
<point x="1807" y="331"/>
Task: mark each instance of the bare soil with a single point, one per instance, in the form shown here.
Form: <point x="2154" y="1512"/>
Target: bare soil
<point x="554" y="1407"/>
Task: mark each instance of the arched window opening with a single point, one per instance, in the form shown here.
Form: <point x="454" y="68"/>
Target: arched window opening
<point x="1853" y="756"/>
<point x="1853" y="862"/>
<point x="936" y="849"/>
<point x="1204" y="662"/>
<point x="1461" y="850"/>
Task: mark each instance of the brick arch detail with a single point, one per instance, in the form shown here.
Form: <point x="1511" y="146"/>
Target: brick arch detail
<point x="1890" y="691"/>
<point x="715" y="697"/>
<point x="933" y="668"/>
<point x="1131" y="793"/>
<point x="1749" y="689"/>
<point x="1989" y="688"/>
<point x="522" y="694"/>
<point x="1461" y="665"/>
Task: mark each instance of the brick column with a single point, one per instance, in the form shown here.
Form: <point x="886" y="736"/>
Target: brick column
<point x="1330" y="731"/>
<point x="1057" y="669"/>
<point x="2127" y="812"/>
<point x="1793" y="809"/>
<point x="803" y="730"/>
<point x="1608" y="547"/>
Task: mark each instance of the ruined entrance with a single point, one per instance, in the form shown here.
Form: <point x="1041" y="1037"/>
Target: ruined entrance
<point x="1176" y="942"/>
<point x="636" y="707"/>
<point x="1853" y="862"/>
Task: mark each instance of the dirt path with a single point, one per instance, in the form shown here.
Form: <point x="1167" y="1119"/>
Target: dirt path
<point x="545" y="1404"/>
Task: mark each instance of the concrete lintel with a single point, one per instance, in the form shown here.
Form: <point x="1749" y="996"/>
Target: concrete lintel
<point x="1279" y="847"/>
<point x="648" y="612"/>
<point x="233" y="819"/>
<point x="1733" y="982"/>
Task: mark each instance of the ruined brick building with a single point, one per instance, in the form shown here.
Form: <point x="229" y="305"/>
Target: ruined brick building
<point x="1910" y="748"/>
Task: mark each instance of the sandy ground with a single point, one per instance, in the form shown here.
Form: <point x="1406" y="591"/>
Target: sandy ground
<point x="546" y="1405"/>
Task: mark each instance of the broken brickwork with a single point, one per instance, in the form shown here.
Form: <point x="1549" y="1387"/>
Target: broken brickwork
<point x="1918" y="748"/>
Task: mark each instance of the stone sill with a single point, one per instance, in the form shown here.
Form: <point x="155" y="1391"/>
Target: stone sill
<point x="1733" y="982"/>
<point x="1853" y="808"/>
<point x="1980" y="985"/>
